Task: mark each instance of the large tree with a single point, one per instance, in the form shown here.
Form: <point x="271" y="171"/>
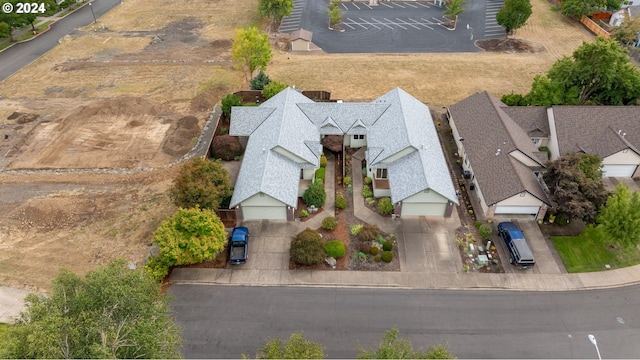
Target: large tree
<point x="620" y="217"/>
<point x="392" y="347"/>
<point x="201" y="182"/>
<point x="191" y="236"/>
<point x="113" y="312"/>
<point x="627" y="32"/>
<point x="574" y="193"/>
<point x="296" y="347"/>
<point x="275" y="9"/>
<point x="598" y="73"/>
<point x="514" y="14"/>
<point x="578" y="8"/>
<point x="251" y="50"/>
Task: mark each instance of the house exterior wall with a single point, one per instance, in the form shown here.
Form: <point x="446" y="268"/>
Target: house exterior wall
<point x="308" y="174"/>
<point x="286" y="153"/>
<point x="399" y="154"/>
<point x="300" y="45"/>
<point x="427" y="195"/>
<point x="262" y="199"/>
<point x="553" y="136"/>
<point x="356" y="143"/>
<point x="425" y="203"/>
<point x="626" y="156"/>
<point x="519" y="200"/>
<point x="540" y="141"/>
<point x="518" y="155"/>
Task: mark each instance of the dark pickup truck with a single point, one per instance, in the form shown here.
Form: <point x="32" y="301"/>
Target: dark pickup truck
<point x="239" y="246"/>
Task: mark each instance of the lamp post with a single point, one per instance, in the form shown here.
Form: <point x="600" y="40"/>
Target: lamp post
<point x="92" y="13"/>
<point x="470" y="28"/>
<point x="595" y="343"/>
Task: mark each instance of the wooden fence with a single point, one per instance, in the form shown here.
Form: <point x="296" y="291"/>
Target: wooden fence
<point x="594" y="27"/>
<point x="228" y="217"/>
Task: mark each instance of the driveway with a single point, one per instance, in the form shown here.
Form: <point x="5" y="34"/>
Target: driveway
<point x="396" y="27"/>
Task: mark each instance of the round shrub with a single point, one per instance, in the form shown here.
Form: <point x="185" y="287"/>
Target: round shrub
<point x="329" y="223"/>
<point x="385" y="207"/>
<point x="365" y="248"/>
<point x="367" y="180"/>
<point x="323" y="161"/>
<point x="314" y="195"/>
<point x="320" y="173"/>
<point x="347" y="180"/>
<point x="374" y="250"/>
<point x="368" y="233"/>
<point x="387" y="256"/>
<point x="335" y="248"/>
<point x="485" y="231"/>
<point x="307" y="248"/>
<point x="226" y="147"/>
<point x="366" y="191"/>
<point x="387" y="246"/>
<point x="341" y="202"/>
<point x="377" y="258"/>
<point x="228" y="102"/>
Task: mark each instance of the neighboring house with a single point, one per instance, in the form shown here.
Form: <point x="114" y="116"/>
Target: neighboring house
<point x="504" y="163"/>
<point x="611" y="132"/>
<point x="301" y="40"/>
<point x="403" y="152"/>
<point x="628" y="12"/>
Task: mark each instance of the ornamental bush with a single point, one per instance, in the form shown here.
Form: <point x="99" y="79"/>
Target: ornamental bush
<point x="385" y="207"/>
<point x="323" y="161"/>
<point x="259" y="81"/>
<point x="387" y="256"/>
<point x="374" y="250"/>
<point x="226" y="147"/>
<point x="320" y="173"/>
<point x="347" y="180"/>
<point x="314" y="195"/>
<point x="365" y="247"/>
<point x="335" y="248"/>
<point x="355" y="229"/>
<point x="329" y="223"/>
<point x="485" y="231"/>
<point x="229" y="101"/>
<point x="341" y="202"/>
<point x="307" y="248"/>
<point x="387" y="246"/>
<point x="366" y="191"/>
<point x="367" y="180"/>
<point x="369" y="233"/>
<point x="377" y="258"/>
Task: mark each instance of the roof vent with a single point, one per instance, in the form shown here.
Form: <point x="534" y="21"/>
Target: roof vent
<point x="498" y="152"/>
<point x="421" y="146"/>
<point x="264" y="151"/>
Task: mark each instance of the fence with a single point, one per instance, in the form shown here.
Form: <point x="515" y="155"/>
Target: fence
<point x="594" y="27"/>
<point x="228" y="217"/>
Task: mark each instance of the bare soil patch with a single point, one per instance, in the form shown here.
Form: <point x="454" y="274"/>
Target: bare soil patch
<point x="510" y="45"/>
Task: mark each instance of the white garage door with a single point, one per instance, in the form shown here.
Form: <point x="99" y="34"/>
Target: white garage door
<point x="618" y="170"/>
<point x="264" y="212"/>
<point x="423" y="209"/>
<point x="532" y="210"/>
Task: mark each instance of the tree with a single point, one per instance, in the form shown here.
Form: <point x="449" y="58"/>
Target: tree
<point x="307" y="248"/>
<point x="5" y="30"/>
<point x="113" y="312"/>
<point x="272" y="89"/>
<point x="627" y="32"/>
<point x="275" y="9"/>
<point x="259" y="81"/>
<point x="573" y="192"/>
<point x="251" y="50"/>
<point x="514" y="14"/>
<point x="598" y="73"/>
<point x="226" y="147"/>
<point x="391" y="347"/>
<point x="453" y="9"/>
<point x="191" y="236"/>
<point x="578" y="8"/>
<point x="296" y="347"/>
<point x="228" y="102"/>
<point x="620" y="217"/>
<point x="335" y="14"/>
<point x="202" y="183"/>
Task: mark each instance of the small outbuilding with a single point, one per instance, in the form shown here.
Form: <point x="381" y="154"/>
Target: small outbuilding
<point x="301" y="40"/>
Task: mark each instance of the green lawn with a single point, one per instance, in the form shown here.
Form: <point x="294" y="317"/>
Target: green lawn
<point x="589" y="252"/>
<point x="4" y="328"/>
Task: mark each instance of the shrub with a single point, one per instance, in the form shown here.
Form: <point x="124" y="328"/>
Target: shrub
<point x="272" y="89"/>
<point x="229" y="101"/>
<point x="304" y="213"/>
<point x="201" y="182"/>
<point x="323" y="161"/>
<point x="259" y="81"/>
<point x="369" y="233"/>
<point x="478" y="224"/>
<point x="329" y="223"/>
<point x="385" y="207"/>
<point x="347" y="180"/>
<point x="341" y="202"/>
<point x="355" y="229"/>
<point x="307" y="248"/>
<point x="320" y="173"/>
<point x="380" y="240"/>
<point x="224" y="130"/>
<point x="371" y="201"/>
<point x="226" y="147"/>
<point x="485" y="231"/>
<point x="367" y="180"/>
<point x="387" y="246"/>
<point x="374" y="250"/>
<point x="315" y="195"/>
<point x="366" y="191"/>
<point x="387" y="256"/>
<point x="335" y="248"/>
<point x="377" y="258"/>
<point x="365" y="248"/>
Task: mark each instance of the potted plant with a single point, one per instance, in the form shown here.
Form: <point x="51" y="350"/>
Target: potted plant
<point x="552" y="218"/>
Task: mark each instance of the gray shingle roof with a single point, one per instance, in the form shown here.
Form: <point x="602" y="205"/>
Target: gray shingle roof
<point x="485" y="128"/>
<point x="293" y="122"/>
<point x="594" y="129"/>
<point x="533" y="119"/>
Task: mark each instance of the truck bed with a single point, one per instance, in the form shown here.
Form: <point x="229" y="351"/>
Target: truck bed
<point x="237" y="252"/>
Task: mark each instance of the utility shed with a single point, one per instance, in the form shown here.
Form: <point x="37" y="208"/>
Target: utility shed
<point x="301" y="40"/>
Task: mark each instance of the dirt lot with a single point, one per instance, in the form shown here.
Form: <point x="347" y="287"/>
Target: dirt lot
<point x="133" y="90"/>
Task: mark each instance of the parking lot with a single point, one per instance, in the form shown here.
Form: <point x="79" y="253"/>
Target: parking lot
<point x="396" y="27"/>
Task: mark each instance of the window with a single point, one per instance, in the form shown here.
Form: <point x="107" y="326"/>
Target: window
<point x="358" y="137"/>
<point x="381" y="173"/>
<point x="536" y="140"/>
<point x="301" y="174"/>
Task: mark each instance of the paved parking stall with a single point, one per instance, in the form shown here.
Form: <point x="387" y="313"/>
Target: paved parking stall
<point x="380" y="23"/>
<point x="491" y="27"/>
<point x="293" y="21"/>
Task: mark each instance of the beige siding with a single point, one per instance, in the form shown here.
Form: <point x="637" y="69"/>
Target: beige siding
<point x="518" y="200"/>
<point x="399" y="154"/>
<point x="262" y="200"/>
<point x="626" y="156"/>
<point x="426" y="196"/>
<point x="284" y="152"/>
<point x="300" y="45"/>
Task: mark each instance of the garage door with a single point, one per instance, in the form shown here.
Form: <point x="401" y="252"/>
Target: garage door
<point x="264" y="212"/>
<point x="423" y="209"/>
<point x="619" y="170"/>
<point x="532" y="210"/>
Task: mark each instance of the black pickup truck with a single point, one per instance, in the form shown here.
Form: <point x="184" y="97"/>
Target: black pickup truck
<point x="239" y="246"/>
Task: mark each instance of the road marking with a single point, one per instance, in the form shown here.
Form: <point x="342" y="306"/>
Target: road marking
<point x="398" y="5"/>
<point x="352" y="28"/>
<point x="438" y="21"/>
<point x="423" y="5"/>
<point x="356" y="23"/>
<point x="345" y="7"/>
<point x="387" y="5"/>
<point x="381" y="23"/>
<point x="368" y="23"/>
<point x="404" y="22"/>
<point x="398" y="25"/>
<point x="365" y="4"/>
<point x="354" y="4"/>
<point x="413" y="6"/>
<point x="419" y="23"/>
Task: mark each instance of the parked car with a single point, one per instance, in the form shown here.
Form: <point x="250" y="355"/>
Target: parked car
<point x="520" y="254"/>
<point x="239" y="246"/>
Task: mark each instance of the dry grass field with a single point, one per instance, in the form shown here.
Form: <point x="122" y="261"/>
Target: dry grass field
<point x="110" y="95"/>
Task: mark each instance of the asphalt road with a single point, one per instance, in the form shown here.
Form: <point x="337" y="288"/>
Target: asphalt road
<point x="20" y="55"/>
<point x="227" y="321"/>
